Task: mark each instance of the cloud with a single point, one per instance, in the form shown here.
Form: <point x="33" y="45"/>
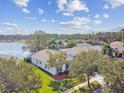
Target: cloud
<point x="77" y="5"/>
<point x="97" y="21"/>
<point x="96" y="16"/>
<point x="48" y="20"/>
<point x="115" y="3"/>
<point x="40" y="11"/>
<point x="105" y="15"/>
<point x="106" y="6"/>
<point x="8" y="29"/>
<point x="61" y="4"/>
<point x="44" y="20"/>
<point x="66" y="14"/>
<point x="49" y="2"/>
<point x="77" y="22"/>
<point x="14" y="28"/>
<point x="32" y="18"/>
<point x="21" y="3"/>
<point x="83" y="30"/>
<point x="25" y="10"/>
<point x="53" y="20"/>
<point x="101" y="16"/>
<point x="69" y="7"/>
<point x="10" y="24"/>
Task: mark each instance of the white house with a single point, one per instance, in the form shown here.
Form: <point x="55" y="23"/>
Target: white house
<point x="40" y="58"/>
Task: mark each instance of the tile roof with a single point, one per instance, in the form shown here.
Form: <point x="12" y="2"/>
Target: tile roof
<point x="117" y="45"/>
<point x="42" y="55"/>
<point x="82" y="47"/>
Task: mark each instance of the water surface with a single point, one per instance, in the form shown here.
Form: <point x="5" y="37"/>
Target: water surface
<point x="13" y="49"/>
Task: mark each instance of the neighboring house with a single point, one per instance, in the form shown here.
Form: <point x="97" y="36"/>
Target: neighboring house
<point x="118" y="47"/>
<point x="40" y="58"/>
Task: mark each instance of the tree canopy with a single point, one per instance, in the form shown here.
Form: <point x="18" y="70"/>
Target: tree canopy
<point x="113" y="73"/>
<point x="86" y="63"/>
<point x="57" y="60"/>
<point x="18" y="77"/>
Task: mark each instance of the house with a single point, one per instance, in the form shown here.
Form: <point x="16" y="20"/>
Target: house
<point x="40" y="58"/>
<point x="82" y="47"/>
<point x="118" y="47"/>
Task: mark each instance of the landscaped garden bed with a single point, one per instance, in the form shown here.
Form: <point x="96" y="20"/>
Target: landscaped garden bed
<point x="95" y="85"/>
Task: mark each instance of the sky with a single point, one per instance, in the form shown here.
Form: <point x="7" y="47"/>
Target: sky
<point x="60" y="16"/>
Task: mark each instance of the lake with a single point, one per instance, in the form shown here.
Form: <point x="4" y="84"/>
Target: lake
<point x="13" y="49"/>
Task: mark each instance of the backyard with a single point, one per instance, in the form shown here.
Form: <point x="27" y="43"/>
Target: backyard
<point x="46" y="79"/>
<point x="50" y="85"/>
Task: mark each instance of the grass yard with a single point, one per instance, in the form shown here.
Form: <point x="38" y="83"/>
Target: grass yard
<point x="46" y="79"/>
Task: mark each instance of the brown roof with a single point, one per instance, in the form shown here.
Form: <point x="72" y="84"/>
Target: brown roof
<point x="77" y="49"/>
<point x="43" y="55"/>
<point x="118" y="45"/>
<point x="83" y="47"/>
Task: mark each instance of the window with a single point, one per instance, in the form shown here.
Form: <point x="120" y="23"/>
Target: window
<point x="67" y="67"/>
<point x="60" y="69"/>
<point x="40" y="62"/>
<point x="46" y="66"/>
<point x="36" y="61"/>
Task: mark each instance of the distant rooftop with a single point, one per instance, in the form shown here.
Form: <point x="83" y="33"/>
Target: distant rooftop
<point x="117" y="45"/>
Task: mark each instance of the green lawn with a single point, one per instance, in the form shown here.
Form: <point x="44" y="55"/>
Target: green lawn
<point x="46" y="79"/>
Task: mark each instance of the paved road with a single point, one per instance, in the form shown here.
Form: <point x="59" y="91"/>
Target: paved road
<point x="99" y="79"/>
<point x="98" y="91"/>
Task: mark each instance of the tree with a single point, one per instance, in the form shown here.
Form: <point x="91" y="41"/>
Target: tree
<point x="38" y="41"/>
<point x="53" y="44"/>
<point x="18" y="77"/>
<point x="70" y="44"/>
<point x="113" y="73"/>
<point x="86" y="63"/>
<point x="57" y="60"/>
<point x="108" y="50"/>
